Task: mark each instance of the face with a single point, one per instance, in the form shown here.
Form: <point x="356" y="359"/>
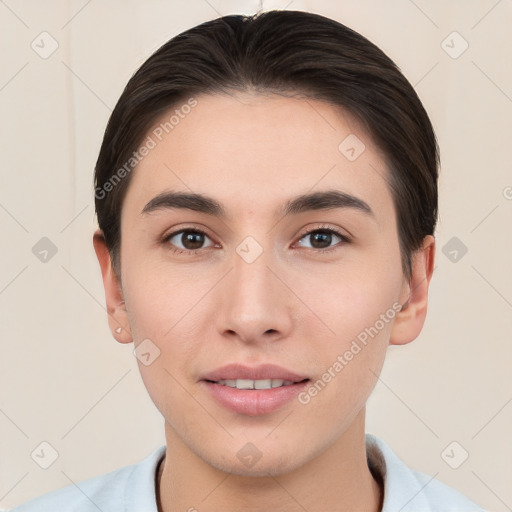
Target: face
<point x="258" y="288"/>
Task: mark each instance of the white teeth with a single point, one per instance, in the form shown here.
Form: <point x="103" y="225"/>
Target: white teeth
<point x="255" y="384"/>
<point x="263" y="384"/>
<point x="244" y="384"/>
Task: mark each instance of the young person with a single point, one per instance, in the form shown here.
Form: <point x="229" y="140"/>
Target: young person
<point x="266" y="194"/>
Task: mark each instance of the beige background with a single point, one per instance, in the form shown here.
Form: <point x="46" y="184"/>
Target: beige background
<point x="64" y="380"/>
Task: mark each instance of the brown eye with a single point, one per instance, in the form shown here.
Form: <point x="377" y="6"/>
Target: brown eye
<point x="323" y="238"/>
<point x="187" y="240"/>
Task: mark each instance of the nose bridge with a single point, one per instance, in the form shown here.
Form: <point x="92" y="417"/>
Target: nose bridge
<point x="251" y="274"/>
<point x="254" y="301"/>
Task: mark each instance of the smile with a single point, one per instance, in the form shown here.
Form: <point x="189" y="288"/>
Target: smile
<point x="255" y="384"/>
<point x="253" y="390"/>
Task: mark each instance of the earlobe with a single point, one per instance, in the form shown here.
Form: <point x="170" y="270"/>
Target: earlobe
<point x="410" y="320"/>
<point x="116" y="309"/>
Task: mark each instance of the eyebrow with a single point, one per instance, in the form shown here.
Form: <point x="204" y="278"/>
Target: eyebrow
<point x="325" y="200"/>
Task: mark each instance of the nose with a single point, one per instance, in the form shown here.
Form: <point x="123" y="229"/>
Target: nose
<point x="256" y="305"/>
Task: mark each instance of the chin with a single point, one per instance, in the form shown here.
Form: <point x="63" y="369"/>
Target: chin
<point x="260" y="466"/>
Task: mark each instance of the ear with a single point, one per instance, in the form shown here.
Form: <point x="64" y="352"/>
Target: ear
<point x="116" y="308"/>
<point x="409" y="321"/>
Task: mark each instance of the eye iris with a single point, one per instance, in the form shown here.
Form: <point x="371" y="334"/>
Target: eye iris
<point x="322" y="236"/>
<point x="195" y="239"/>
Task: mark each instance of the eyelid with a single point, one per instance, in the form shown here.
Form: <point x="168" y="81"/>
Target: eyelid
<point x="193" y="227"/>
<point x="326" y="227"/>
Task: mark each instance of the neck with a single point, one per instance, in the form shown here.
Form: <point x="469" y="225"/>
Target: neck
<point x="337" y="479"/>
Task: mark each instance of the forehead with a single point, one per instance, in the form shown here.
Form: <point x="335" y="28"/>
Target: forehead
<point x="252" y="150"/>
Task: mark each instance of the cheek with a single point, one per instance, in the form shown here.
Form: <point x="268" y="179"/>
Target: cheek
<point x="354" y="298"/>
<point x="349" y="360"/>
<point x="162" y="314"/>
<point x="359" y="307"/>
<point x="159" y="296"/>
<point x="164" y="306"/>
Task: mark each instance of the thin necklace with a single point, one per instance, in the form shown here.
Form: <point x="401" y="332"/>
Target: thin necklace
<point x="159" y="484"/>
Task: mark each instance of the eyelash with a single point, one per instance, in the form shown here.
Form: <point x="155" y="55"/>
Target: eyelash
<point x="191" y="252"/>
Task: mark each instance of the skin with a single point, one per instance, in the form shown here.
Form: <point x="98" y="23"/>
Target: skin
<point x="296" y="305"/>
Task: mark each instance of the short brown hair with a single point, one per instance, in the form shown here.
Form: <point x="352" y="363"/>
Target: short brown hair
<point x="279" y="51"/>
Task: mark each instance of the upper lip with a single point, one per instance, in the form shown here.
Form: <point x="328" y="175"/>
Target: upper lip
<point x="260" y="372"/>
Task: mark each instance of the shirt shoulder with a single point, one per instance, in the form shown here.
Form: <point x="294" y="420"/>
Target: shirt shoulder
<point x="127" y="489"/>
<point x="407" y="490"/>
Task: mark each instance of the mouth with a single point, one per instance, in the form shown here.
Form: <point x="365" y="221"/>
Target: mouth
<point x="256" y="384"/>
<point x="253" y="391"/>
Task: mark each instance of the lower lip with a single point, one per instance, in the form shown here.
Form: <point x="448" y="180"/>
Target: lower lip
<point x="254" y="402"/>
